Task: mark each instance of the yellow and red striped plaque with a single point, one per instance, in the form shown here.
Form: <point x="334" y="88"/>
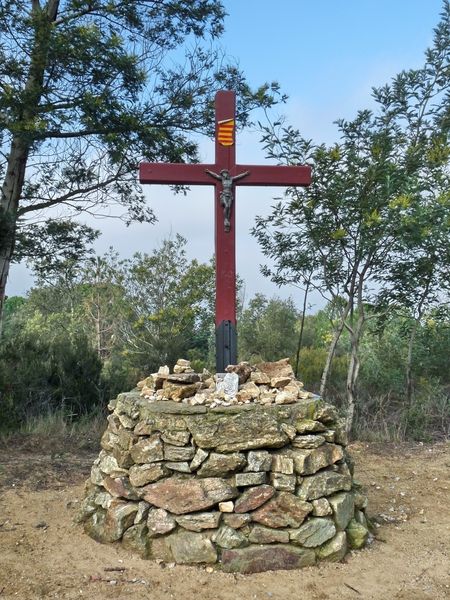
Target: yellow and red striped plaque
<point x="225" y="132"/>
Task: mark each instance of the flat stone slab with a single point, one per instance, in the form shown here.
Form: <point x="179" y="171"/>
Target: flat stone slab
<point x="181" y="496"/>
<point x="309" y="461"/>
<point x="267" y="535"/>
<point x="323" y="483"/>
<point x="315" y="532"/>
<point x="258" y="460"/>
<point x="255" y="559"/>
<point x="280" y="368"/>
<point x="191" y="548"/>
<point x="119" y="516"/>
<point x="227" y="537"/>
<point x="159" y="522"/>
<point x="335" y="549"/>
<point x="141" y="475"/>
<point x="169" y="407"/>
<point x="219" y="465"/>
<point x="241" y="431"/>
<point x="183" y="377"/>
<point x="253" y="498"/>
<point x="135" y="539"/>
<point x="250" y="426"/>
<point x="200" y="521"/>
<point x="178" y="453"/>
<point x="284" y="510"/>
<point x="283" y="483"/>
<point x="308" y="441"/>
<point x="343" y="505"/>
<point x="250" y="478"/>
<point x="147" y="450"/>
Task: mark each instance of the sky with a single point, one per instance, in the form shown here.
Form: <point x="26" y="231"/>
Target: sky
<point x="326" y="55"/>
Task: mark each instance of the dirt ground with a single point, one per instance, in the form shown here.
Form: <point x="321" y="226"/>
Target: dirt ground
<point x="43" y="554"/>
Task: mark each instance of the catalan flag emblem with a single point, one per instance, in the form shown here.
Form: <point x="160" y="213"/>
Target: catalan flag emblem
<point x="225" y="132"/>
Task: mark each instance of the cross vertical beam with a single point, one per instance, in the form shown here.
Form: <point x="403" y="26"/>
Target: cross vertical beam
<point x="225" y="243"/>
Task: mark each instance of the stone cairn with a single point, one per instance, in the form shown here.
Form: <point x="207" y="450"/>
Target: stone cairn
<point x="244" y="469"/>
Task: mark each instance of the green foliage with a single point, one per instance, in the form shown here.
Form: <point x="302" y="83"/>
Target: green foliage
<point x="268" y="329"/>
<point x="312" y="360"/>
<point x="50" y="362"/>
<point x="389" y="418"/>
<point x="371" y="232"/>
<point x="383" y="355"/>
<point x="44" y="369"/>
<point x="92" y="329"/>
<point x="170" y="306"/>
<point x="54" y="247"/>
<point x="90" y="88"/>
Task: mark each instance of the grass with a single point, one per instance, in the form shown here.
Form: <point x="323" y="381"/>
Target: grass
<point x="58" y="430"/>
<point x="387" y="418"/>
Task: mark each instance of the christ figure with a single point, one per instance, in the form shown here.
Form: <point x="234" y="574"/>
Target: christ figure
<point x="226" y="194"/>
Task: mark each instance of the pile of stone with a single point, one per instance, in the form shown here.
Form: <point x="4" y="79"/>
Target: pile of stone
<point x="265" y="383"/>
<point x="249" y="486"/>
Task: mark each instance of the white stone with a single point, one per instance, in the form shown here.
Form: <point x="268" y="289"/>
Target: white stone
<point x="226" y="507"/>
<point x="182" y="362"/>
<point x="199" y="398"/>
<point x="228" y="383"/>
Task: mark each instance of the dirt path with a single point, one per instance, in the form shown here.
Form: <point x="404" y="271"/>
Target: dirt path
<point x="44" y="555"/>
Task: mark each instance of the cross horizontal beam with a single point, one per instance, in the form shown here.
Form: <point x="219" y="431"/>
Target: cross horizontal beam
<point x="274" y="175"/>
<point x="195" y="174"/>
<point x="175" y="173"/>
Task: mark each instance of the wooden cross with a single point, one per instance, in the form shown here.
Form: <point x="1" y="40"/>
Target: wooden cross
<point x="225" y="175"/>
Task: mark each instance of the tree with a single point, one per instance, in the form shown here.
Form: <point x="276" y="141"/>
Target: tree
<point x="45" y="365"/>
<point x="268" y="329"/>
<point x="63" y="246"/>
<point x="345" y="228"/>
<point x="417" y="280"/>
<point x="88" y="88"/>
<point x="333" y="234"/>
<point x="170" y="305"/>
<point x="417" y="105"/>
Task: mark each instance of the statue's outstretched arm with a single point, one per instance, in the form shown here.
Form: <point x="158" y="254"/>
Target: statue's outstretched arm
<point x="241" y="175"/>
<point x="215" y="175"/>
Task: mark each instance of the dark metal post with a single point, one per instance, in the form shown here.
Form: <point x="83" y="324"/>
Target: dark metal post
<point x="226" y="346"/>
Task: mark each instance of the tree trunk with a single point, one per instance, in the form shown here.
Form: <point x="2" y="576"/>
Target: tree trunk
<point x="9" y="203"/>
<point x="353" y="368"/>
<point x="408" y="366"/>
<point x="412" y="339"/>
<point x="331" y="351"/>
<point x="352" y="375"/>
<point x="302" y="327"/>
<point x="329" y="360"/>
<point x="21" y="142"/>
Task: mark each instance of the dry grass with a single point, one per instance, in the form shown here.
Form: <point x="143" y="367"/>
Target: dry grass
<point x="58" y="430"/>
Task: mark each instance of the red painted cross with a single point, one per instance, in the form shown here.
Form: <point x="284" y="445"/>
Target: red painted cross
<point x="224" y="174"/>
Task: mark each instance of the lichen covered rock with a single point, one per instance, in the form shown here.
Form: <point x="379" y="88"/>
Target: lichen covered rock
<point x="247" y="469"/>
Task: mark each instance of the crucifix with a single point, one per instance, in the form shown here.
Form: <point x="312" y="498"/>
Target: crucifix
<point x="225" y="175"/>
